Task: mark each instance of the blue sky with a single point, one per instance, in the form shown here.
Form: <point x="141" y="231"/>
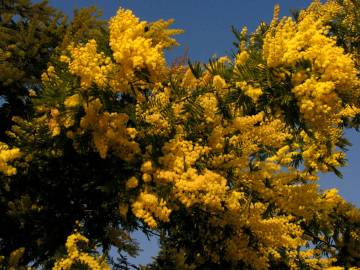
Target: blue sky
<point x="207" y="25"/>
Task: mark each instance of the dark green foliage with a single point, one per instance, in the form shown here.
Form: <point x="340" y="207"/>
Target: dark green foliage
<point x="40" y="207"/>
<point x="29" y="33"/>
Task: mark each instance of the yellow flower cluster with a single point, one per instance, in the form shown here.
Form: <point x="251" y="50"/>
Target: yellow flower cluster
<point x="147" y="170"/>
<point x="247" y="136"/>
<point x="32" y="93"/>
<point x="57" y="119"/>
<point x="90" y="66"/>
<point x="54" y="125"/>
<point x="137" y="49"/>
<point x="152" y="116"/>
<point x="325" y="11"/>
<point x="326" y="90"/>
<point x="108" y="131"/>
<point x="216" y="139"/>
<point x="211" y="191"/>
<point x="253" y="92"/>
<point x="332" y="76"/>
<point x="72" y="101"/>
<point x="189" y="82"/>
<point x="7" y="155"/>
<point x="132" y="49"/>
<point x="332" y="198"/>
<point x="149" y="207"/>
<point x="179" y="155"/>
<point x="75" y="255"/>
<point x="236" y="168"/>
<point x="341" y="13"/>
<point x="209" y="104"/>
<point x="251" y="131"/>
<point x="275" y="234"/>
<point x="158" y="121"/>
<point x="132" y="183"/>
<point x="49" y="74"/>
<point x="219" y="83"/>
<point x="319" y="152"/>
<point x="311" y="257"/>
<point x="241" y="58"/>
<point x="208" y="189"/>
<point x="160" y="34"/>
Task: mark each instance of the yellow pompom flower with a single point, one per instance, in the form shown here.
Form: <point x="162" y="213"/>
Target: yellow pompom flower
<point x="218" y="82"/>
<point x="72" y="101"/>
<point x="132" y="183"/>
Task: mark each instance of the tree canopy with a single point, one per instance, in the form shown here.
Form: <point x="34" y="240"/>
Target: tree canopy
<point x="101" y="137"/>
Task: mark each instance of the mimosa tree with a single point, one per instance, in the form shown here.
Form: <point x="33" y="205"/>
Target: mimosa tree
<point x="222" y="159"/>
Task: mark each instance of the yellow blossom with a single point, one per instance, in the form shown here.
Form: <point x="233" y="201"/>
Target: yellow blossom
<point x="218" y="82"/>
<point x="132" y="183"/>
<point x="72" y="101"/>
<point x="32" y="93"/>
<point x="242" y="57"/>
<point x="90" y="66"/>
<point x="74" y="255"/>
<point x="132" y="49"/>
<point x="149" y="208"/>
<point x="7" y="155"/>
